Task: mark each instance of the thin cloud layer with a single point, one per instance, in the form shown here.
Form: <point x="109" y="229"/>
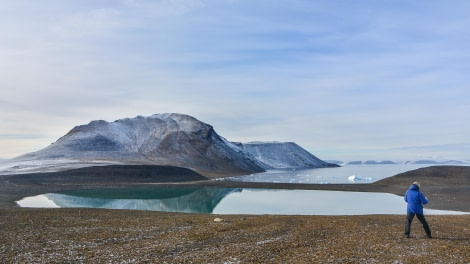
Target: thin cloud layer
<point x="345" y="80"/>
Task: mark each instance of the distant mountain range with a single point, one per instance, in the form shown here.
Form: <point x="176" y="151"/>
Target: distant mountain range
<point x="373" y="162"/>
<point x="161" y="139"/>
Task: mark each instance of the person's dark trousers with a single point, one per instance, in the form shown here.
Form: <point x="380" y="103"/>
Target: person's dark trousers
<point x="409" y="219"/>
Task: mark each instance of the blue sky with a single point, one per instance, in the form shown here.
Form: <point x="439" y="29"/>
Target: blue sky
<point x="347" y="80"/>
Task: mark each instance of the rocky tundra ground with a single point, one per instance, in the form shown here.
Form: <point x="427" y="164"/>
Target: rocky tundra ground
<point x="123" y="236"/>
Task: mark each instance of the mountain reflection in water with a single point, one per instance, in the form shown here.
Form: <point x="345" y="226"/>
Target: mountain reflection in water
<point x="229" y="201"/>
<point x="188" y="200"/>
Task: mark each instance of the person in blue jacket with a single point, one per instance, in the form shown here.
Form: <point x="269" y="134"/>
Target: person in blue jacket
<point x="415" y="200"/>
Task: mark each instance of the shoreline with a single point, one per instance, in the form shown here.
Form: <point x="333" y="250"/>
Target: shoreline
<point x="447" y="187"/>
<point x="86" y="235"/>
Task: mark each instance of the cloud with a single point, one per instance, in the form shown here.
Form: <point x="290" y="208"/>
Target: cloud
<point x="338" y="77"/>
<point x="93" y="23"/>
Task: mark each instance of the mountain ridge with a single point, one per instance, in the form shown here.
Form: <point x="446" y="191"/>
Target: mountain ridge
<point x="268" y="154"/>
<point x="161" y="139"/>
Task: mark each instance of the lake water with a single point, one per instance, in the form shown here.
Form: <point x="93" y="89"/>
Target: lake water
<point x="229" y="201"/>
<point x="252" y="201"/>
<point x="360" y="173"/>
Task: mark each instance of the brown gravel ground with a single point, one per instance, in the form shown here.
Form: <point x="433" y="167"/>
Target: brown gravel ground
<point x="121" y="236"/>
<point x="124" y="236"/>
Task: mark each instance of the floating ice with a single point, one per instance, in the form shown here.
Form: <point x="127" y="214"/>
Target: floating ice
<point x="353" y="178"/>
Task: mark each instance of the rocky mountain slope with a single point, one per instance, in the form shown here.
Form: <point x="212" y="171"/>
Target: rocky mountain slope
<point x="161" y="139"/>
<point x="280" y="155"/>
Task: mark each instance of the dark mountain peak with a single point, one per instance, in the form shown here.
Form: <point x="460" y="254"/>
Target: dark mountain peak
<point x="163" y="139"/>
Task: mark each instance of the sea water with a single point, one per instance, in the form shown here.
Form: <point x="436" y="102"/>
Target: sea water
<point x="345" y="174"/>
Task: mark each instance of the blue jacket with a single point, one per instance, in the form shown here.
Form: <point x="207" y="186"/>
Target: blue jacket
<point x="415" y="200"/>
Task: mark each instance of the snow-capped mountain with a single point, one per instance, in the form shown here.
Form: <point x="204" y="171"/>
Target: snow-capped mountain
<point x="161" y="139"/>
<point x="283" y="155"/>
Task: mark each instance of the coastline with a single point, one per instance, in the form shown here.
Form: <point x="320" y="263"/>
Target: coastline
<point x="447" y="187"/>
<point x="81" y="235"/>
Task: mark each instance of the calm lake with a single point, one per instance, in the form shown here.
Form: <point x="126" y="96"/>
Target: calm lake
<point x="229" y="201"/>
<point x="252" y="201"/>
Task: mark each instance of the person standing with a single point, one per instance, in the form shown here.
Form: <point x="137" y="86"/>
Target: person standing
<point x="415" y="200"/>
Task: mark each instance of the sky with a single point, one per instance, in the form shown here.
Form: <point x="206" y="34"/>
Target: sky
<point x="346" y="80"/>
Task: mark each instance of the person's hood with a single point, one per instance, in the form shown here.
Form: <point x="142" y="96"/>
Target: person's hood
<point x="414" y="187"/>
